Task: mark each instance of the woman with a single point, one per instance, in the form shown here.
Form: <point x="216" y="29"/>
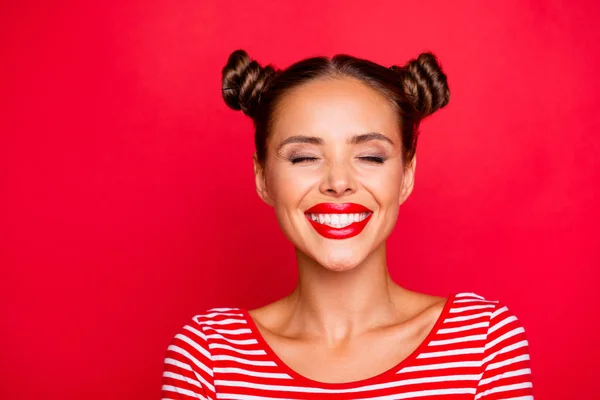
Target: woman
<point x="335" y="157"/>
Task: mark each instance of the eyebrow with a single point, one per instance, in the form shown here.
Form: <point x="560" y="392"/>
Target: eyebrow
<point x="369" y="136"/>
<point x="356" y="139"/>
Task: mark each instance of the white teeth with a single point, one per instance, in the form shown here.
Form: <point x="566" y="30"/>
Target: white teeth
<point x="338" y="220"/>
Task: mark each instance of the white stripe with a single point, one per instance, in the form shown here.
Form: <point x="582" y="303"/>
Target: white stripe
<point x="233" y="341"/>
<point x="190" y="357"/>
<point x="241" y="331"/>
<point x="479" y="301"/>
<point x="273" y="375"/>
<point x="223" y="309"/>
<point x="236" y="396"/>
<point x="502" y="338"/>
<point x="240" y="351"/>
<point x="421" y="393"/>
<point x="470" y="308"/>
<point x="469" y="294"/>
<point x="227" y="321"/>
<point x="178" y="364"/>
<point x="169" y="388"/>
<point x="520" y="398"/>
<point x="499" y="325"/>
<point x="429" y="367"/>
<point x="468" y="317"/>
<point x="276" y="388"/>
<point x="478" y="350"/>
<point x="464" y="328"/>
<point x="499" y="311"/>
<point x="196" y="332"/>
<point x="220" y="314"/>
<point x="522" y="343"/>
<point x="380" y="386"/>
<point x="200" y="379"/>
<point x="194" y="344"/>
<point x="508" y="374"/>
<point x="505" y="388"/>
<point x="471" y="338"/>
<point x="245" y="361"/>
<point x="510" y="361"/>
<point x="180" y="377"/>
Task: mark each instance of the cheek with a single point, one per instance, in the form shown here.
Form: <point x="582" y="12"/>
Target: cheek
<point x="287" y="186"/>
<point x="288" y="189"/>
<point x="385" y="185"/>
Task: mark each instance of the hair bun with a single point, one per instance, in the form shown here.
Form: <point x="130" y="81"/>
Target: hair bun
<point x="425" y="83"/>
<point x="243" y="82"/>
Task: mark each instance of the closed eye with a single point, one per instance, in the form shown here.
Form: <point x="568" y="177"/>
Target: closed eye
<point x="298" y="160"/>
<point x="373" y="159"/>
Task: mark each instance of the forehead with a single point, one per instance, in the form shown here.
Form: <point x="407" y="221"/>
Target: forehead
<point x="334" y="106"/>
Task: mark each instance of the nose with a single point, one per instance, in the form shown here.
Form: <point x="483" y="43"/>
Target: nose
<point x="338" y="181"/>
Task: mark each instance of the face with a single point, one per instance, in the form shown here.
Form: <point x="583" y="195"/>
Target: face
<point x="334" y="171"/>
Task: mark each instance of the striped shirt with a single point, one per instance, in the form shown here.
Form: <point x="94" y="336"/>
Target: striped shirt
<point x="476" y="350"/>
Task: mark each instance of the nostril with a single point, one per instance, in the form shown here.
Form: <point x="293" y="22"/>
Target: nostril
<point x="339" y="192"/>
<point x="336" y="192"/>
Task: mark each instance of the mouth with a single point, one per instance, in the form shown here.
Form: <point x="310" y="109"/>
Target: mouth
<point x="338" y="220"/>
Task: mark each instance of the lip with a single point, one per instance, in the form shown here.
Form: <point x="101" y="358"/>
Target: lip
<point x="330" y="232"/>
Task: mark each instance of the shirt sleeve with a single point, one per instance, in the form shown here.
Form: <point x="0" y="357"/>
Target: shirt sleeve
<point x="506" y="369"/>
<point x="188" y="366"/>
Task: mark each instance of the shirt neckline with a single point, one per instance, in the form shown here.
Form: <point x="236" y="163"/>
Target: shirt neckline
<point x="352" y="384"/>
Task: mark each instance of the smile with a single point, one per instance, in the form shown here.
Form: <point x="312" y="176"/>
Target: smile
<point x="338" y="220"/>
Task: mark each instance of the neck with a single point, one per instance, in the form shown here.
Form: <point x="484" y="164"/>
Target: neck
<point x="337" y="305"/>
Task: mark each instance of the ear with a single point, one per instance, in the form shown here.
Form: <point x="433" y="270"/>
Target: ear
<point x="408" y="180"/>
<point x="260" y="181"/>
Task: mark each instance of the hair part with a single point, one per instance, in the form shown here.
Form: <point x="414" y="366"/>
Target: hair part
<point x="415" y="90"/>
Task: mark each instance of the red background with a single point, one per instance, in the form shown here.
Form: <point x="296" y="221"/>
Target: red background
<point x="128" y="204"/>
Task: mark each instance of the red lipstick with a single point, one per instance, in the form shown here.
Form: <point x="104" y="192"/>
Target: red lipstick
<point x="331" y="232"/>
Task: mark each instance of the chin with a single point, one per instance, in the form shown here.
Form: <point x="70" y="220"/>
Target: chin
<point x="341" y="263"/>
<point x="339" y="267"/>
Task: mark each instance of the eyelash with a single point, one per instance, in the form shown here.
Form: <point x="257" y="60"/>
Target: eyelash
<point x="297" y="160"/>
<point x="370" y="159"/>
<point x="373" y="159"/>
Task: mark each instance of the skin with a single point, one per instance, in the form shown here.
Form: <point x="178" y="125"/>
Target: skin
<point x="347" y="320"/>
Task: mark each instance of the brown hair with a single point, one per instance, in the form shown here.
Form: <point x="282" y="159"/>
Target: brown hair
<point x="415" y="90"/>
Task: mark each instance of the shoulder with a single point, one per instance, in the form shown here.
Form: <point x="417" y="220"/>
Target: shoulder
<point x="503" y="328"/>
<point x="474" y="304"/>
<point x="501" y="343"/>
<point x="188" y="363"/>
<point x="215" y="317"/>
<point x="192" y="340"/>
<point x="202" y="325"/>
